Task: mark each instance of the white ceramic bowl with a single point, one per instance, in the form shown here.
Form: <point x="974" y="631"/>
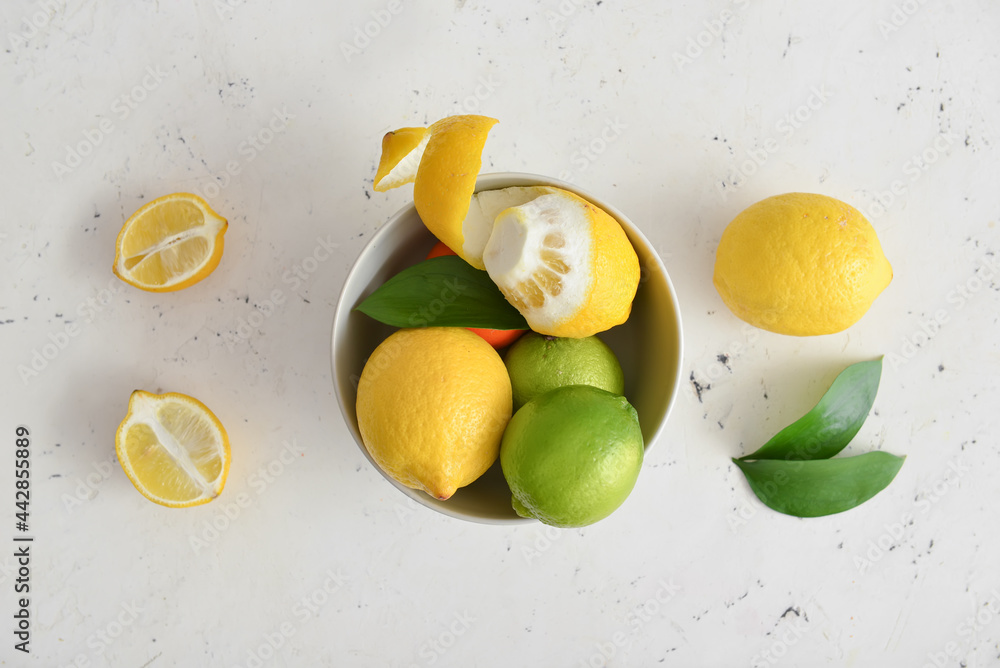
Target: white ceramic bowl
<point x="648" y="345"/>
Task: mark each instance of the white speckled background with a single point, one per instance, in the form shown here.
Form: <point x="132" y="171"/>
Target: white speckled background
<point x="680" y="115"/>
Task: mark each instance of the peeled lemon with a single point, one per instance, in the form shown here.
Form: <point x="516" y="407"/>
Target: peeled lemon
<point x="800" y="264"/>
<point x="432" y="407"/>
<point x="564" y="263"/>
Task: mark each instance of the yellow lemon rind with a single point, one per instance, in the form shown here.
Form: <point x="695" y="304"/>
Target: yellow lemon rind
<point x="401" y="152"/>
<point x="446" y="177"/>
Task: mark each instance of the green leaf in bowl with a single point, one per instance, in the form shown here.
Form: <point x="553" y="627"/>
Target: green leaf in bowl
<point x="444" y="291"/>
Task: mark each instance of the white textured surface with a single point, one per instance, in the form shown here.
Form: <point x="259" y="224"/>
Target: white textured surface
<point x="691" y="570"/>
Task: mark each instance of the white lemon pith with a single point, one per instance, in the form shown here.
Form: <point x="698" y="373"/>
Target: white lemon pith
<point x="483" y="211"/>
<point x="565" y="264"/>
<point x="539" y="252"/>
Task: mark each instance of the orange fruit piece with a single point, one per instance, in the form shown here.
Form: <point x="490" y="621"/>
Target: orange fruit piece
<point x="173" y="449"/>
<point x="498" y="338"/>
<point x="169" y="244"/>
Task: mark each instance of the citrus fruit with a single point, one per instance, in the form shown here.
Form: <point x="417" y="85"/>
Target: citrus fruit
<point x="537" y="364"/>
<point x="800" y="264"/>
<point x="571" y="456"/>
<point x="498" y="338"/>
<point x="565" y="264"/>
<point x="169" y="244"/>
<point x="439" y="250"/>
<point x="443" y="162"/>
<point x="432" y="406"/>
<point x="173" y="449"/>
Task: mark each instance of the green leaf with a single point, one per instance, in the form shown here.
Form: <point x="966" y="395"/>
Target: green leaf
<point x="442" y="292"/>
<point x="820" y="487"/>
<point x="832" y="423"/>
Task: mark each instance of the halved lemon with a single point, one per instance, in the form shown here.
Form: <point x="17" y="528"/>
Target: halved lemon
<point x="443" y="162"/>
<point x="169" y="244"/>
<point x="173" y="449"/>
<point x="564" y="263"/>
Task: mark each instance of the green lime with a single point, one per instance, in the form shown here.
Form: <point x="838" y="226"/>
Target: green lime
<point x="572" y="455"/>
<point x="537" y="364"/>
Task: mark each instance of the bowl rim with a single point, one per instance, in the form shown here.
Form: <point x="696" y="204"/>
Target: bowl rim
<point x="488" y="181"/>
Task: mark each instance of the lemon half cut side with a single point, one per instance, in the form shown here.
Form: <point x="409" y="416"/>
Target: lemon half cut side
<point x="169" y="244"/>
<point x="173" y="449"/>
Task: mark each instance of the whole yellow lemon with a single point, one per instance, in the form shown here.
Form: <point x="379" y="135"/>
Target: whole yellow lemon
<point x="800" y="264"/>
<point x="433" y="404"/>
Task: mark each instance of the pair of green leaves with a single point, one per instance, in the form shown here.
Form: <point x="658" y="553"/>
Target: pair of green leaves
<point x="793" y="472"/>
<point x="444" y="291"/>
